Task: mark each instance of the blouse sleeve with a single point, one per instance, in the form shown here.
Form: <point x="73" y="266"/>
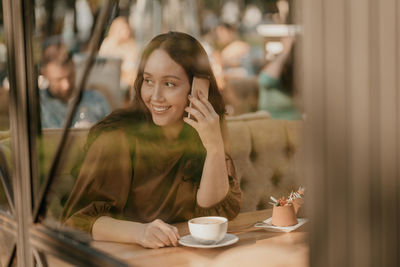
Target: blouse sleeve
<point x="228" y="207"/>
<point x="103" y="184"/>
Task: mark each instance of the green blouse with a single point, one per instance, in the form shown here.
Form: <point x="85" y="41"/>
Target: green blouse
<point x="141" y="180"/>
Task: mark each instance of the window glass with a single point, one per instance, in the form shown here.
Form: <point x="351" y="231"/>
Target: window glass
<point x="250" y="48"/>
<point x="7" y="242"/>
<point x="5" y="144"/>
<point x="43" y="259"/>
<point x="228" y="31"/>
<point x="5" y="196"/>
<point x="62" y="33"/>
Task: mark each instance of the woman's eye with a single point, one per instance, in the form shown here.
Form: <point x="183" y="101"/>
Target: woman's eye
<point x="168" y="84"/>
<point x="148" y="81"/>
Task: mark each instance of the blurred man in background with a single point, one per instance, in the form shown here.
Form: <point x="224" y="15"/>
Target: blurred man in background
<point x="59" y="71"/>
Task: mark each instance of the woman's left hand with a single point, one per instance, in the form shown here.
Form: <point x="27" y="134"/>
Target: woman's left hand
<point x="206" y="122"/>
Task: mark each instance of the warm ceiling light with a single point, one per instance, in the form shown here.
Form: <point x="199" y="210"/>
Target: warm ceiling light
<point x="278" y="30"/>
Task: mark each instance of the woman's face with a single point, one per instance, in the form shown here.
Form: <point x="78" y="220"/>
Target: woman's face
<point x="165" y="89"/>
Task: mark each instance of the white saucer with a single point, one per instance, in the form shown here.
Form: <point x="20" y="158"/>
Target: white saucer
<point x="189" y="241"/>
<point x="272" y="228"/>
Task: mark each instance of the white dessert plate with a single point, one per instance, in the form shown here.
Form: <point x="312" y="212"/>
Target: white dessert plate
<point x="267" y="225"/>
<point x="189" y="241"/>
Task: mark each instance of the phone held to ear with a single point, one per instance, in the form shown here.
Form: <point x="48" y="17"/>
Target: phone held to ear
<point x="199" y="85"/>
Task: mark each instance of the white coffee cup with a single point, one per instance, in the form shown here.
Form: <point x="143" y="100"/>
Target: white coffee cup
<point x="208" y="230"/>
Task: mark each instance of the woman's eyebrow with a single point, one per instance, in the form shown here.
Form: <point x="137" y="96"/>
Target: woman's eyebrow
<point x="171" y="76"/>
<point x="164" y="77"/>
<point x="146" y="73"/>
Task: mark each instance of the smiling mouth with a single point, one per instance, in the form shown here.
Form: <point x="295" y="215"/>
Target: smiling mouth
<point x="160" y="109"/>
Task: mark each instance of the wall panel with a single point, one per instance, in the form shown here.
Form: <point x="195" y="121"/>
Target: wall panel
<point x="359" y="138"/>
<point x="398" y="125"/>
<point x="388" y="115"/>
<point x="335" y="123"/>
<point x="314" y="103"/>
<point x="350" y="88"/>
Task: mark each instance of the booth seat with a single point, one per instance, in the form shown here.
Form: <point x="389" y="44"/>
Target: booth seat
<point x="265" y="153"/>
<point x="267" y="157"/>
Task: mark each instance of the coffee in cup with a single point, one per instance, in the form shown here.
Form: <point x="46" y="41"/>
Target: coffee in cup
<point x="208" y="230"/>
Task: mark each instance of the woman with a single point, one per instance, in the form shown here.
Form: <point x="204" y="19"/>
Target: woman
<point x="276" y="85"/>
<point x="150" y="165"/>
<point x="120" y="43"/>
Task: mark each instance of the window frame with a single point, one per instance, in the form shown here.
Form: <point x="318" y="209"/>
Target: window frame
<point x="33" y="239"/>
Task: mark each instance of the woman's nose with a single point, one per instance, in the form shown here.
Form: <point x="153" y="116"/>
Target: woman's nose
<point x="157" y="93"/>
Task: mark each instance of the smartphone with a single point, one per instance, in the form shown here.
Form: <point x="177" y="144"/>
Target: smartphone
<point x="199" y="85"/>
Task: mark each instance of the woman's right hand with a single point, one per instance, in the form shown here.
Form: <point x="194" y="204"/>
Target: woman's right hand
<point x="157" y="234"/>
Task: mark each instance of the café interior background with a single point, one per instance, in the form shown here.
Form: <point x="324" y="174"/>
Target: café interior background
<point x="341" y="77"/>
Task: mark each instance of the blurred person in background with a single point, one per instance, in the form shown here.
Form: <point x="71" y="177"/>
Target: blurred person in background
<point x="58" y="69"/>
<point x="232" y="49"/>
<point x="282" y="16"/>
<point x="276" y="84"/>
<point x="121" y="44"/>
<point x="236" y="53"/>
<point x="239" y="55"/>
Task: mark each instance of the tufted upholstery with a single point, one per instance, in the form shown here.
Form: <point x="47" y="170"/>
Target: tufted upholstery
<point x="265" y="153"/>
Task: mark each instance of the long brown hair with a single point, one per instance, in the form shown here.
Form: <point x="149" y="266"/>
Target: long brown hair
<point x="187" y="52"/>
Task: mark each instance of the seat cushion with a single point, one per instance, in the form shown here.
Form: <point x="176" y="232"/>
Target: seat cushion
<point x="263" y="151"/>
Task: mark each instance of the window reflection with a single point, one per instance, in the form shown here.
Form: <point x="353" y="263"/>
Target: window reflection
<point x="7" y="241"/>
<point x="253" y="67"/>
<point x="43" y="259"/>
<point x="62" y="32"/>
<point x="65" y="179"/>
<point x="241" y="57"/>
<point x="4" y="84"/>
<point x="5" y="142"/>
<point x="5" y="172"/>
<point x="4" y="204"/>
<point x="58" y="68"/>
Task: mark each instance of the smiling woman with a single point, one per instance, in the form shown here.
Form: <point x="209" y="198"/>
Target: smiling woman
<point x="149" y="165"/>
<point x="165" y="89"/>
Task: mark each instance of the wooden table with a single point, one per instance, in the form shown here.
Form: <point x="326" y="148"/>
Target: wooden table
<point x="256" y="247"/>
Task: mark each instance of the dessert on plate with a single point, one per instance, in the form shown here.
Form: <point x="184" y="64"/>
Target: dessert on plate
<point x="284" y="212"/>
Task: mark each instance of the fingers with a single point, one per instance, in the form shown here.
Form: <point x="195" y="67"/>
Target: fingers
<point x="200" y="108"/>
<point x="167" y="234"/>
<point x="201" y="112"/>
<point x="200" y="105"/>
<point x="160" y="234"/>
<point x="171" y="234"/>
<point x="151" y="241"/>
<point x="176" y="231"/>
<point x="195" y="113"/>
<point x="207" y="103"/>
<point x="155" y="242"/>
